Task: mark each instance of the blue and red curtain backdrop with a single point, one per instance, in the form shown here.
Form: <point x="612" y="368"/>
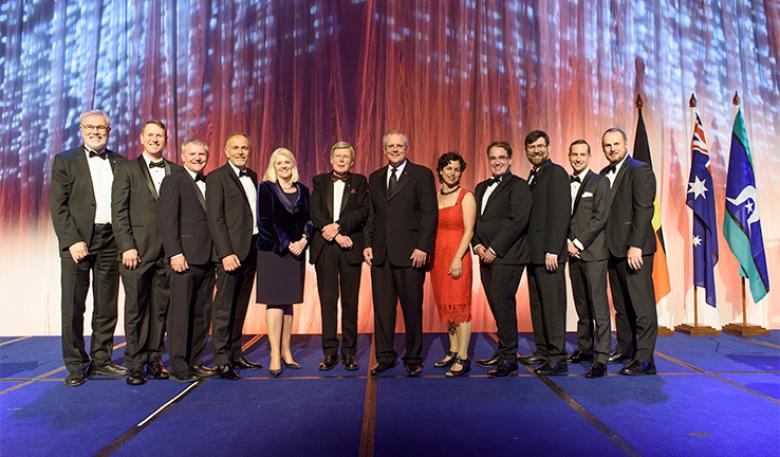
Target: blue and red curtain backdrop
<point x="454" y="74"/>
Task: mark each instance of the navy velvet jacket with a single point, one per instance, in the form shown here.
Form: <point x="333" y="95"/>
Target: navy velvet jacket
<point x="279" y="220"/>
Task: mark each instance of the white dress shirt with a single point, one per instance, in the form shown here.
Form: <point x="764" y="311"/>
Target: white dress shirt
<point x="575" y="188"/>
<point x="157" y="173"/>
<point x="486" y="197"/>
<point x="102" y="179"/>
<point x="398" y="173"/>
<point x="338" y="196"/>
<point x="251" y="195"/>
<point x="201" y="184"/>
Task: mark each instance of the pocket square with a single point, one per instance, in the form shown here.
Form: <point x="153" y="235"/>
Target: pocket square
<point x="587" y="194"/>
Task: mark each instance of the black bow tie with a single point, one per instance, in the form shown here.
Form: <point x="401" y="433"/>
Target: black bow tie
<point x="100" y="155"/>
<point x="574" y="179"/>
<point x="611" y="169"/>
<point x="200" y="177"/>
<point x="243" y="172"/>
<point x="160" y="164"/>
<point x="334" y="177"/>
<point x="494" y="180"/>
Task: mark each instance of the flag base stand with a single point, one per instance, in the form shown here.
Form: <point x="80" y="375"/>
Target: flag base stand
<point x="697" y="330"/>
<point x="745" y="329"/>
<point x="665" y="331"/>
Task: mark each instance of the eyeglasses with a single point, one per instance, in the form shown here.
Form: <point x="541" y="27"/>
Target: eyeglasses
<point x="537" y="147"/>
<point x="390" y="147"/>
<point x="99" y="128"/>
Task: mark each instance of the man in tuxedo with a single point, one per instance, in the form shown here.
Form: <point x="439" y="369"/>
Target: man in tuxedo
<point x="588" y="260"/>
<point x="400" y="235"/>
<point x="134" y="196"/>
<point x="231" y="207"/>
<point x="503" y="208"/>
<point x="188" y="247"/>
<point x="80" y="203"/>
<point x="631" y="243"/>
<point x="339" y="209"/>
<point x="547" y="231"/>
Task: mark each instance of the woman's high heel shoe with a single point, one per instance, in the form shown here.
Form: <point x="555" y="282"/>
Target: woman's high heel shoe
<point x="275" y="373"/>
<point x="294" y="365"/>
<point x="465" y="368"/>
<point x="446" y="362"/>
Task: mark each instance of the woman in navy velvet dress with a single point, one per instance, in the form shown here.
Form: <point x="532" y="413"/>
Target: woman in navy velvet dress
<point x="285" y="228"/>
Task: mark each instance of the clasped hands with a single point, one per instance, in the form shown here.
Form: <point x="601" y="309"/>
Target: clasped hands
<point x="331" y="233"/>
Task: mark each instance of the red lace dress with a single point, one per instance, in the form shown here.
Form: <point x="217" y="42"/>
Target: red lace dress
<point x="453" y="296"/>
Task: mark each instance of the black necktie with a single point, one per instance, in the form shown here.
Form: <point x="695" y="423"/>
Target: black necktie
<point x="100" y="155"/>
<point x="243" y="172"/>
<point x="574" y="179"/>
<point x="200" y="177"/>
<point x="160" y="164"/>
<point x="393" y="180"/>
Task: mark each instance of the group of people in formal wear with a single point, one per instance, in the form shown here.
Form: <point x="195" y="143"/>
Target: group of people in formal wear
<point x="189" y="247"/>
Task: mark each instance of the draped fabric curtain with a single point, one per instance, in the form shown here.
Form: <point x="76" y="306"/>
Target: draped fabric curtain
<point x="455" y="75"/>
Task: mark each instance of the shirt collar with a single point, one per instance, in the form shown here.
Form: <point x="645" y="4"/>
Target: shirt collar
<point x="150" y="160"/>
<point x="583" y="173"/>
<point x="399" y="167"/>
<point x="236" y="170"/>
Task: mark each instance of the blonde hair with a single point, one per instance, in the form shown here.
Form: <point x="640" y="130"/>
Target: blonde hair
<point x="270" y="172"/>
<point x="342" y="145"/>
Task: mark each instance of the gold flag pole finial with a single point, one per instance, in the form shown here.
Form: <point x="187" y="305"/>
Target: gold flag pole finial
<point x="736" y="98"/>
<point x="692" y="101"/>
<point x="639" y="103"/>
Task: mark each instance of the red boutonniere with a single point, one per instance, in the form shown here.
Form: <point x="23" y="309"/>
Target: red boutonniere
<point x="353" y="191"/>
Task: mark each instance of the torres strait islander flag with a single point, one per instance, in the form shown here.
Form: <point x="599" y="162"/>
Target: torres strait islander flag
<point x="742" y="223"/>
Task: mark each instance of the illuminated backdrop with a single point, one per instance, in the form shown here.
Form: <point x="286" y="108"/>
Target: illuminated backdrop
<point x="454" y="74"/>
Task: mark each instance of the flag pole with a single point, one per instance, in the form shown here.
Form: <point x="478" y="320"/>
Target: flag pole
<point x="695" y="329"/>
<point x="662" y="329"/>
<point x="743" y="329"/>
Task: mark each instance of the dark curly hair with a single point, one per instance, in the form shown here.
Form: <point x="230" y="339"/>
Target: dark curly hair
<point x="445" y="160"/>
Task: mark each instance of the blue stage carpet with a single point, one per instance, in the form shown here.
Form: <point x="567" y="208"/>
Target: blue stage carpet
<point x="713" y="396"/>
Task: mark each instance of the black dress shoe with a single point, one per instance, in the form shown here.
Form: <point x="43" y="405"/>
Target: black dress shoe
<point x="189" y="376"/>
<point x="447" y="361"/>
<point x="413" y="369"/>
<point x="549" y="369"/>
<point x="329" y="362"/>
<point x="110" y="369"/>
<point x="579" y="356"/>
<point x="157" y="370"/>
<point x="636" y="368"/>
<point x="228" y="372"/>
<point x="75" y="379"/>
<point x="493" y="361"/>
<point x="533" y="359"/>
<point x="503" y="369"/>
<point x="294" y="365"/>
<point x="350" y="363"/>
<point x="597" y="370"/>
<point x="245" y="364"/>
<point x="618" y="357"/>
<point x="203" y="371"/>
<point x="465" y="368"/>
<point x="136" y="377"/>
<point x="381" y="367"/>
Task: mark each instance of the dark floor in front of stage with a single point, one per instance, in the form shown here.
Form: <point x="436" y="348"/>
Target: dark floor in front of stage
<point x="712" y="396"/>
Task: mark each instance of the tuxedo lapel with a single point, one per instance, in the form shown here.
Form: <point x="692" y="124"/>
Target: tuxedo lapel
<point x="82" y="166"/>
<point x="148" y="176"/>
<point x="232" y="176"/>
<point x="197" y="191"/>
<point x="347" y="191"/>
<point x="496" y="191"/>
<point x="619" y="179"/>
<point x="580" y="191"/>
<point x="329" y="196"/>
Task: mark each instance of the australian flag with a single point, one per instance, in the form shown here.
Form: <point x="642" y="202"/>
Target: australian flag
<point x="701" y="199"/>
<point x="742" y="223"/>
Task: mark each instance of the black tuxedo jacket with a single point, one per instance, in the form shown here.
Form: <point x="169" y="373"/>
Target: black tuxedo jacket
<point x="404" y="221"/>
<point x="352" y="218"/>
<point x="550" y="212"/>
<point x="72" y="198"/>
<point x="182" y="219"/>
<point x="134" y="209"/>
<point x="503" y="225"/>
<point x="631" y="210"/>
<point x="229" y="214"/>
<point x="589" y="217"/>
<point x="281" y="221"/>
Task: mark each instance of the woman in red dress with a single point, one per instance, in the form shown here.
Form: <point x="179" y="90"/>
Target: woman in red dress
<point x="451" y="269"/>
